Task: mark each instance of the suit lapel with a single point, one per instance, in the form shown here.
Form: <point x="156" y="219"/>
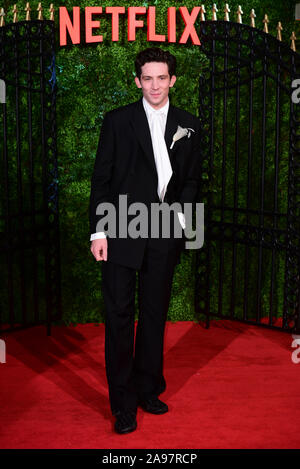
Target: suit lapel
<point x="140" y="126"/>
<point x="171" y="127"/>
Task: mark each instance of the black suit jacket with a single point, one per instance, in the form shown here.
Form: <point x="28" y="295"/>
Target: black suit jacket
<point x="125" y="164"/>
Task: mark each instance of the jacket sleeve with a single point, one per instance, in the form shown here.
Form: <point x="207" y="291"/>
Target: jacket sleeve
<point x="191" y="184"/>
<point x="103" y="167"/>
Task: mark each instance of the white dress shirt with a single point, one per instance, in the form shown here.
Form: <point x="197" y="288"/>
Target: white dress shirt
<point x="163" y="166"/>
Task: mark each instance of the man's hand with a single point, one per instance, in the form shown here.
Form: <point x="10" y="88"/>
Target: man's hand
<point x="99" y="249"/>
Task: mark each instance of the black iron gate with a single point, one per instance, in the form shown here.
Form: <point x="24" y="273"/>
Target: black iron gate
<point x="29" y="225"/>
<point x="249" y="266"/>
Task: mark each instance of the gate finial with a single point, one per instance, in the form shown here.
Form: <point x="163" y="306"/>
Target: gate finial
<point x="293" y="38"/>
<point x="214" y="12"/>
<point x="51" y="9"/>
<point x="239" y="14"/>
<point x="40" y="10"/>
<point x="279" y="29"/>
<point x="15" y="12"/>
<point x="266" y="21"/>
<point x="28" y="10"/>
<point x="202" y="11"/>
<point x="226" y="10"/>
<point x="2" y="14"/>
<point x="252" y="16"/>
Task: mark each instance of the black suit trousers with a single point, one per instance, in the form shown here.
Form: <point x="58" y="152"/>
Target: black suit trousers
<point x="134" y="369"/>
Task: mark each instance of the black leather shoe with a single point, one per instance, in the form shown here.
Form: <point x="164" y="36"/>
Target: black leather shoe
<point x="153" y="405"/>
<point x="126" y="422"/>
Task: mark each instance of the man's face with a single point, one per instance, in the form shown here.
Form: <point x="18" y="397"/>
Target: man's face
<point x="155" y="83"/>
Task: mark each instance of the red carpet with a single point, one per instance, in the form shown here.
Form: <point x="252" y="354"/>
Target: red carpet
<point x="231" y="386"/>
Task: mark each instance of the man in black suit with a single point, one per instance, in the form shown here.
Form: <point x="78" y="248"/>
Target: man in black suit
<point x="137" y="158"/>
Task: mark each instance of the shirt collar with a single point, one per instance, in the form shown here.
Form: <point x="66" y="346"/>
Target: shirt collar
<point x="149" y="109"/>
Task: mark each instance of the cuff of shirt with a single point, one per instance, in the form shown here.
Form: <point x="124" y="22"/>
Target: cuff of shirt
<point x="181" y="219"/>
<point x="100" y="235"/>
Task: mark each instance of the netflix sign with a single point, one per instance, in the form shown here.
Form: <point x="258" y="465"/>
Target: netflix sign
<point x="137" y="17"/>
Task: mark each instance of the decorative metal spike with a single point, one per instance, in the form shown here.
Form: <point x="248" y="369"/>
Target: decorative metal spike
<point x="252" y="16"/>
<point x="214" y="12"/>
<point x="51" y="9"/>
<point x="28" y="10"/>
<point x="40" y="10"/>
<point x="202" y="11"/>
<point x="279" y="29"/>
<point x="15" y="12"/>
<point x="2" y="14"/>
<point x="239" y="14"/>
<point x="266" y="21"/>
<point x="293" y="39"/>
<point x="226" y="10"/>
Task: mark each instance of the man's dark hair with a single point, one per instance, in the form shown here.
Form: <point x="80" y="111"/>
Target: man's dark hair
<point x="155" y="54"/>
